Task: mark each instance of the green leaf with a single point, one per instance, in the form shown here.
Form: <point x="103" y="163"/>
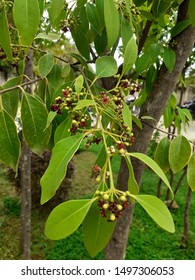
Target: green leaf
<point x="48" y="36"/>
<point x="97" y="231"/>
<point x="26" y="17"/>
<point x="66" y="71"/>
<point x="106" y="66"/>
<point x="45" y="64"/>
<point x="9" y="141"/>
<point x="191" y="12"/>
<point x="62" y="153"/>
<point x="179" y="27"/>
<point x="54" y="77"/>
<point x="5" y="40"/>
<point x="79" y="83"/>
<point x="179" y="153"/>
<point x="133" y="187"/>
<point x="157" y="210"/>
<point x="55" y="9"/>
<point x="10" y="99"/>
<point x="81" y="42"/>
<point x="111" y="18"/>
<point x="130" y="55"/>
<point x="143" y="63"/>
<point x="84" y="103"/>
<point x="190" y="172"/>
<point x="34" y="120"/>
<point x="153" y="165"/>
<point x="100" y="13"/>
<point x="127" y="116"/>
<point x="62" y="130"/>
<point x="137" y="121"/>
<point x="162" y="154"/>
<point x="126" y="32"/>
<point x="93" y="18"/>
<point x="51" y="116"/>
<point x="159" y="7"/>
<point x="66" y="218"/>
<point x="169" y="59"/>
<point x="81" y="3"/>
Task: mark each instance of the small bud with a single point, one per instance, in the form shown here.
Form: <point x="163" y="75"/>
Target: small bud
<point x="119" y="207"/>
<point x="112" y="217"/>
<point x="123" y="198"/>
<point x="106" y="196"/>
<point x="105" y="206"/>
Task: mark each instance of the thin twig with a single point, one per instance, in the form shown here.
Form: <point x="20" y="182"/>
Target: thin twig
<point x="19" y="86"/>
<point x="165" y="132"/>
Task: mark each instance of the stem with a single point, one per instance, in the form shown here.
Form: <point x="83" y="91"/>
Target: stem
<point x="19" y="86"/>
<point x="184" y="240"/>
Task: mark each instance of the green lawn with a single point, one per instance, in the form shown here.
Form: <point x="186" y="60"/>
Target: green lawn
<point x="146" y="239"/>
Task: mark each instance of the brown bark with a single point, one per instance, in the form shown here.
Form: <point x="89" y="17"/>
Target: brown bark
<point x="154" y="107"/>
<point x="25" y="180"/>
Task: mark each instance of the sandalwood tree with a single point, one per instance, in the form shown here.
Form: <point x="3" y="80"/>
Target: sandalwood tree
<point x="125" y="49"/>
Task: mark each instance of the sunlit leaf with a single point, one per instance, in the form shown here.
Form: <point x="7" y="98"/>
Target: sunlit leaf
<point x="26" y="17"/>
<point x="66" y="218"/>
<point x="62" y="153"/>
<point x="106" y="66"/>
<point x="157" y="210"/>
<point x="45" y="64"/>
<point x="179" y="153"/>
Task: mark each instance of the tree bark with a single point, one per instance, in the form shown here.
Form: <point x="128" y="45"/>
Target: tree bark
<point x="154" y="107"/>
<point x="25" y="180"/>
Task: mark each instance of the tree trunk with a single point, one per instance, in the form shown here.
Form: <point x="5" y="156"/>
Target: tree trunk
<point x="184" y="240"/>
<point x="25" y="180"/>
<point x="154" y="107"/>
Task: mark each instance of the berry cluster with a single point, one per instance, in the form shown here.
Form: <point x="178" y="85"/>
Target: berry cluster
<point x="79" y="121"/>
<point x="70" y="23"/>
<point x="104" y="98"/>
<point x="110" y="208"/>
<point x="94" y="139"/>
<point x="132" y="86"/>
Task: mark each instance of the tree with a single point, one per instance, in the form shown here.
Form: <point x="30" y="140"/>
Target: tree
<point x="155" y="39"/>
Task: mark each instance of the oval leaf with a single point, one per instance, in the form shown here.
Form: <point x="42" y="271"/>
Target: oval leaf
<point x="45" y="64"/>
<point x="34" y="121"/>
<point x="111" y="19"/>
<point x="179" y="153"/>
<point x="130" y="55"/>
<point x="106" y="66"/>
<point x="62" y="153"/>
<point x="169" y="59"/>
<point x="191" y="11"/>
<point x="191" y="172"/>
<point x="153" y="165"/>
<point x="26" y="17"/>
<point x="79" y="83"/>
<point x="66" y="218"/>
<point x="9" y="141"/>
<point x="97" y="231"/>
<point x="157" y="210"/>
<point x="162" y="154"/>
<point x="48" y="36"/>
<point x="55" y="9"/>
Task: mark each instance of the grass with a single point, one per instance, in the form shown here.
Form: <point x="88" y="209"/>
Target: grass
<point x="146" y="239"/>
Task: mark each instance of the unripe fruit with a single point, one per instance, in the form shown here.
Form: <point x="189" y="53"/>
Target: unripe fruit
<point x="105" y="206"/>
<point x="123" y="198"/>
<point x="112" y="217"/>
<point x="119" y="207"/>
<point x="106" y="196"/>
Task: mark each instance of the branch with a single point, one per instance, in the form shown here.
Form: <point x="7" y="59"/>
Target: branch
<point x="165" y="132"/>
<point x="19" y="86"/>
